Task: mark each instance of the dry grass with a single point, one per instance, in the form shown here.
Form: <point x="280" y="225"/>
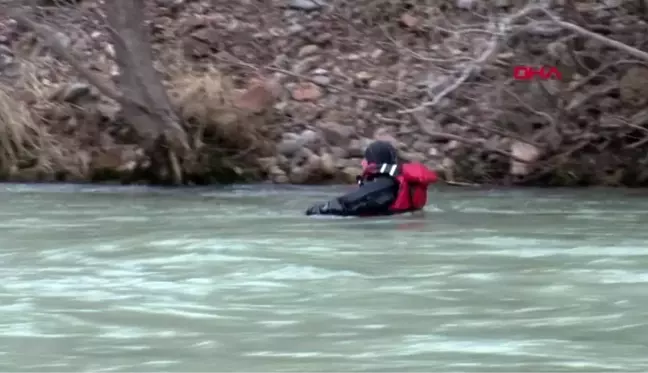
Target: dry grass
<point x="206" y="102"/>
<point x="20" y="136"/>
<point x="26" y="143"/>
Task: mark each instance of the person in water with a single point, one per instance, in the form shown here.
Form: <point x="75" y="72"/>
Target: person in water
<point x="386" y="186"/>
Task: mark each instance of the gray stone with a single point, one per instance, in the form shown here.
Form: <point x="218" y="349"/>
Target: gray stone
<point x="288" y="147"/>
<point x="336" y="133"/>
<point x="74" y="92"/>
<point x="306" y="5"/>
<point x="321" y="80"/>
<point x="357" y="147"/>
<point x="307" y="50"/>
<point x="308" y="137"/>
<point x="327" y="164"/>
<point x="339" y="152"/>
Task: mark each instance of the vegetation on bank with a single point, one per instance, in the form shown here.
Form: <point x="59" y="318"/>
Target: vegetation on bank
<point x="95" y="92"/>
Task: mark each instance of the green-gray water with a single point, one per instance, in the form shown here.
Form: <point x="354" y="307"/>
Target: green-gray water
<point x="237" y="279"/>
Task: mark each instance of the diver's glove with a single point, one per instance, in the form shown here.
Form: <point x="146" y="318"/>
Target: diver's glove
<point x="332" y="207"/>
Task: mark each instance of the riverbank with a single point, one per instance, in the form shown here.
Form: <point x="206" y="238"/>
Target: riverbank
<point x="292" y="92"/>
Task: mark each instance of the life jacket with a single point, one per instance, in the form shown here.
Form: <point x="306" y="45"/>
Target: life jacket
<point x="413" y="180"/>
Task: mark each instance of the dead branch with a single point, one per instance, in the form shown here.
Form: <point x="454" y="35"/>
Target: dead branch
<point x="500" y="32"/>
<point x="598" y="37"/>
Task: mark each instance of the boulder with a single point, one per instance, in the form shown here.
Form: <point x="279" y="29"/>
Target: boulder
<point x="306" y="92"/>
<point x="292" y="142"/>
<point x="299" y="175"/>
<point x="287" y="147"/>
<point x="327" y="164"/>
<point x="307" y="50"/>
<point x="335" y="133"/>
<point x="357" y="147"/>
<point x="258" y="97"/>
<point x="339" y="152"/>
<point x="526" y="152"/>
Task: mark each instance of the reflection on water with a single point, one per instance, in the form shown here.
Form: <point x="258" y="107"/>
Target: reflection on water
<point x="139" y="279"/>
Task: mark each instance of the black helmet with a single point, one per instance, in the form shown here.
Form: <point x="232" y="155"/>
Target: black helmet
<point x="379" y="152"/>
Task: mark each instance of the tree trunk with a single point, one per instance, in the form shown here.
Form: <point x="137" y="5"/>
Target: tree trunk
<point x="148" y="107"/>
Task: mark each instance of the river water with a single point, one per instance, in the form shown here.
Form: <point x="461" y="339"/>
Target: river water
<point x="238" y="279"/>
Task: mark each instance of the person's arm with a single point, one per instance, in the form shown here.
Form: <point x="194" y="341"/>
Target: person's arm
<point x="372" y="198"/>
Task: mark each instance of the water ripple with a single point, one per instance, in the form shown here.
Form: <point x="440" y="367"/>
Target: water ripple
<point x="133" y="279"/>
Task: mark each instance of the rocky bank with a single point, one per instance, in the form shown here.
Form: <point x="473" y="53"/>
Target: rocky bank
<point x="292" y="91"/>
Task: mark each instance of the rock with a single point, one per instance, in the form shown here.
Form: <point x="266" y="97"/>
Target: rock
<point x="281" y="179"/>
<point x="420" y="146"/>
<point x="306" y="5"/>
<point x="108" y="159"/>
<point x="63" y="39"/>
<point x="288" y="147"/>
<point x="208" y="36"/>
<point x="300" y="158"/>
<point x="612" y="3"/>
<point x="191" y="48"/>
<point x="267" y="163"/>
<point x="308" y="137"/>
<point x="283" y="162"/>
<point x="327" y="164"/>
<point x="277" y="175"/>
<point x="108" y="111"/>
<point x="307" y="50"/>
<point x="357" y="147"/>
<point x="295" y="29"/>
<point x="413" y="157"/>
<point x="6" y="56"/>
<point x="307" y="64"/>
<point x="526" y="152"/>
<point x="362" y="105"/>
<point x="299" y="175"/>
<point x="274" y="170"/>
<point x="383" y="86"/>
<point x="127" y="167"/>
<point x="634" y="86"/>
<point x="293" y="143"/>
<point x="305" y="112"/>
<point x="448" y="168"/>
<point x="321" y="80"/>
<point x="313" y="163"/>
<point x="340" y="164"/>
<point x="306" y="92"/>
<point x="452" y="145"/>
<point x="362" y="78"/>
<point x="322" y="38"/>
<point x="259" y="97"/>
<point x="409" y="20"/>
<point x="72" y="93"/>
<point x="335" y="133"/>
<point x="466" y="4"/>
<point x="339" y="153"/>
